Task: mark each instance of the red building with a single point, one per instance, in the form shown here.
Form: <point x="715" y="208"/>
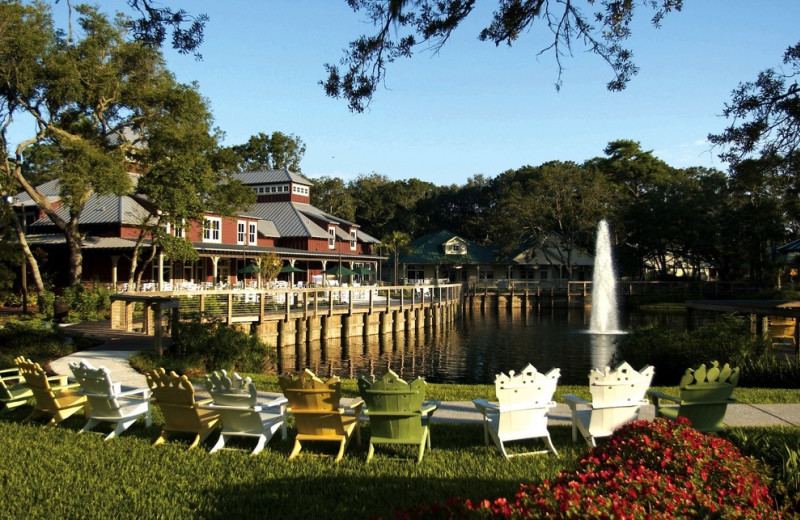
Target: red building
<point x="281" y="221"/>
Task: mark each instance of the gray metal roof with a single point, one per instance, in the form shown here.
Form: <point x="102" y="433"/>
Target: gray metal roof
<point x="89" y="242"/>
<point x="267" y="228"/>
<point x="104" y="209"/>
<point x="270" y="177"/>
<point x="288" y="220"/>
<point x="51" y="190"/>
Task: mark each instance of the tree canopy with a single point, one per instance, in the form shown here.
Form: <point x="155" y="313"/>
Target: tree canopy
<point x="403" y="26"/>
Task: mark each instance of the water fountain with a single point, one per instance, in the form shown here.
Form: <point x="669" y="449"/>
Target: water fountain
<point x="604" y="319"/>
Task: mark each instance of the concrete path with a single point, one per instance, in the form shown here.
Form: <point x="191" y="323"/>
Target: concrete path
<point x="119" y="346"/>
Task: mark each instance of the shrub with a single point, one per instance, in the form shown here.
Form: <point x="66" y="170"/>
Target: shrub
<point x="671" y="352"/>
<point x="221" y="347"/>
<point x="35" y="339"/>
<point x="661" y="469"/>
<point x="88" y="304"/>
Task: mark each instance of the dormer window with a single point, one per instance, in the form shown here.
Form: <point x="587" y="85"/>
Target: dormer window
<point x="353" y="239"/>
<point x="455" y="247"/>
<point x="331" y="237"/>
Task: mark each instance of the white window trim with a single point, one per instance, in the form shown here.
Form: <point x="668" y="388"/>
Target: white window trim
<point x="252" y="233"/>
<point x="331" y="237"/>
<point x="353" y="239"/>
<point x="241" y="232"/>
<point x="212" y="233"/>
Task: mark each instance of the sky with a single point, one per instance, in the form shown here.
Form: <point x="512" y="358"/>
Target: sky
<point x="474" y="108"/>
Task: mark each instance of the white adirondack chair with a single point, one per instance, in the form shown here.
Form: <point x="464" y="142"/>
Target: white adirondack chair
<point x="617" y="396"/>
<point x="108" y="401"/>
<point x="236" y="401"/>
<point x="524" y="402"/>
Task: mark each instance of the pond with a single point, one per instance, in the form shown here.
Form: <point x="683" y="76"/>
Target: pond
<point x="477" y="346"/>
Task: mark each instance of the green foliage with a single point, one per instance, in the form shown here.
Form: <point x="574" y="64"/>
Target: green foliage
<point x="660" y="469"/>
<point x="671" y="352"/>
<point x="217" y="347"/>
<point x="34" y="339"/>
<point x="88" y="304"/>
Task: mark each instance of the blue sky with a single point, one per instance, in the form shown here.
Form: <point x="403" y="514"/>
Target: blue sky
<point x="475" y="108"/>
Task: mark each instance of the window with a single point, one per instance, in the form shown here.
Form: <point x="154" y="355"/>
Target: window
<point x="211" y="229"/>
<point x="240" y="231"/>
<point x="331" y="237"/>
<point x="252" y="235"/>
<point x="353" y="241"/>
<point x="180" y="231"/>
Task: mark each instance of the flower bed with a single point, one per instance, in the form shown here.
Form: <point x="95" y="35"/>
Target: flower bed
<point x="648" y="470"/>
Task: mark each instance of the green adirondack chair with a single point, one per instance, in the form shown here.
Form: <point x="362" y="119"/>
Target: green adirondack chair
<point x="13" y="392"/>
<point x="704" y="397"/>
<point x="397" y="411"/>
<point x="54" y="396"/>
<point x="236" y="400"/>
<point x="317" y="414"/>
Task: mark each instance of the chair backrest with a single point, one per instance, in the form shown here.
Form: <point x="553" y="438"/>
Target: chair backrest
<point x="174" y="395"/>
<point x="314" y="403"/>
<point x="708" y="385"/>
<point x="231" y="391"/>
<point x="16" y="390"/>
<point x="36" y="379"/>
<point x="100" y="390"/>
<point x="617" y="396"/>
<point x="622" y="386"/>
<point x="525" y="397"/>
<point x="402" y="401"/>
<point x="238" y="396"/>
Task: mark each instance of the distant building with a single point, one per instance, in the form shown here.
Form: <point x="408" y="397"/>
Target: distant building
<point x="282" y="221"/>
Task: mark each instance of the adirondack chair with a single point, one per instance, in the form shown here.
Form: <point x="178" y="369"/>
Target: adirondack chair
<point x="396" y="411"/>
<point x="317" y="414"/>
<point x="13" y="392"/>
<point x="54" y="396"/>
<point x="524" y="400"/>
<point x="617" y="396"/>
<point x="236" y="400"/>
<point x="174" y="395"/>
<point x="108" y="402"/>
<point x="704" y="396"/>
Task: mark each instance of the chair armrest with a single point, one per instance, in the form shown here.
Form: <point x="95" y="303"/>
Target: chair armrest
<point x="58" y="380"/>
<point x="203" y="402"/>
<point x="130" y="393"/>
<point x="655" y="395"/>
<point x="484" y="406"/>
<point x="429" y="407"/>
<point x="278" y="401"/>
<point x="356" y="405"/>
<point x="9" y="372"/>
<point x="573" y="401"/>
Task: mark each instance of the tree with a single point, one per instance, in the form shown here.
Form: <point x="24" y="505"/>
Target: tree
<point x="765" y="114"/>
<point x="331" y="195"/>
<point x="397" y="242"/>
<point x="98" y="102"/>
<point x="405" y="25"/>
<point x="276" y="152"/>
<point x="553" y="208"/>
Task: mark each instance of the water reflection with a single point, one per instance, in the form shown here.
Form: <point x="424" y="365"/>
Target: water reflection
<point x="474" y="348"/>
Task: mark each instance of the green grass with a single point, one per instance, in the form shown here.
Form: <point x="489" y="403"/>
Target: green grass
<point x="57" y="473"/>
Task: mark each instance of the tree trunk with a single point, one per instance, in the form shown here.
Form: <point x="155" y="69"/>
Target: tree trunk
<point x="37" y="275"/>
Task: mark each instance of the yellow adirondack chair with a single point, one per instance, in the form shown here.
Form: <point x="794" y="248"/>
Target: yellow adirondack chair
<point x="317" y="414"/>
<point x="617" y="397"/>
<point x="236" y="400"/>
<point x="13" y="392"/>
<point x="704" y="397"/>
<point x="174" y="395"/>
<point x="54" y="397"/>
<point x="524" y="401"/>
<point x="397" y="411"/>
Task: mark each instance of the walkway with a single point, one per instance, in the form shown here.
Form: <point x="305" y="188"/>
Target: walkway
<point x="119" y="346"/>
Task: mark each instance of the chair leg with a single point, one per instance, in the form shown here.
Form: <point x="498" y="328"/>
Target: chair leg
<point x="296" y="449"/>
<point x="220" y="443"/>
<point x="162" y="438"/>
<point x="371" y="451"/>
<point x="342" y="446"/>
<point x="550" y="443"/>
<point x="121" y="427"/>
<point x="262" y="440"/>
<point x="91" y="423"/>
<point x="195" y="442"/>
